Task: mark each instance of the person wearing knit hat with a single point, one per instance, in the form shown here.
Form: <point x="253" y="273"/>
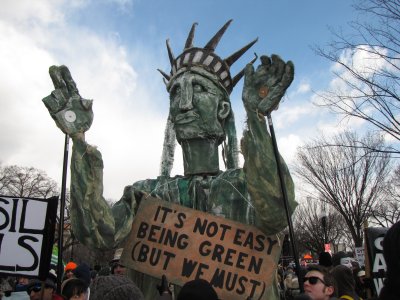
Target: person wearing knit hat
<point x="82" y="272"/>
<point x="391" y="253"/>
<point x="114" y="287"/>
<point x="68" y="269"/>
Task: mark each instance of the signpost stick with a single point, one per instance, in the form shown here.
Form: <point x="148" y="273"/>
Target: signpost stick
<point x="60" y="267"/>
<point x="286" y="202"/>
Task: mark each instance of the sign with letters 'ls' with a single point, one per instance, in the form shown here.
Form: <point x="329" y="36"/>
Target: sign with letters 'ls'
<point x="185" y="244"/>
<point x="26" y="235"/>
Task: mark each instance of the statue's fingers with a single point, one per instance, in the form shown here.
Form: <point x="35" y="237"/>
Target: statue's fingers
<point x="265" y="60"/>
<point x="265" y="65"/>
<point x="279" y="65"/>
<point x="70" y="83"/>
<point x="288" y="74"/>
<point x="57" y="78"/>
<point x="248" y="72"/>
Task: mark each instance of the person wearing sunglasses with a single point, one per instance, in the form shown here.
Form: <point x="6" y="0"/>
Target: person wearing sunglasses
<point x="319" y="284"/>
<point x="34" y="290"/>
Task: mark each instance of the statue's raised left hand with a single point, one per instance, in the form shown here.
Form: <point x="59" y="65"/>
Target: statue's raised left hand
<point x="264" y="87"/>
<point x="72" y="114"/>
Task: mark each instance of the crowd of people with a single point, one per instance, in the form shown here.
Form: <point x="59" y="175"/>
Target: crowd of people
<point x="331" y="277"/>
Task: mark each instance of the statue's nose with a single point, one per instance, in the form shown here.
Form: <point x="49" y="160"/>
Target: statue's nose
<point x="186" y="102"/>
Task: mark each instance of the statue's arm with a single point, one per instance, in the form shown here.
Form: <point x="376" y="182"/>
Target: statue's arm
<point x="262" y="92"/>
<point x="94" y="222"/>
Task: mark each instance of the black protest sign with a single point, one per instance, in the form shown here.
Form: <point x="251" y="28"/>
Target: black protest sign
<point x="186" y="244"/>
<point x="377" y="263"/>
<point x="26" y="235"/>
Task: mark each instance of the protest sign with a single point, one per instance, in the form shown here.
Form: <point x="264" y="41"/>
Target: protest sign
<point x="185" y="244"/>
<point x="26" y="235"/>
<point x="360" y="257"/>
<point x="374" y="239"/>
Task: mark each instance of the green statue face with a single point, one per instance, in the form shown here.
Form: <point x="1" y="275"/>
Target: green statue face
<point x="198" y="107"/>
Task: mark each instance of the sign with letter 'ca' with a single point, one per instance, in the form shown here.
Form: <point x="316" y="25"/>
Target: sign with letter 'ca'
<point x="26" y="235"/>
<point x="185" y="244"/>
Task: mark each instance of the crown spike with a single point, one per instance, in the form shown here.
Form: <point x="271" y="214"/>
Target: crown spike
<point x="170" y="54"/>
<point x="235" y="56"/>
<point x="213" y="43"/>
<point x="239" y="75"/>
<point x="189" y="41"/>
<point x="165" y="75"/>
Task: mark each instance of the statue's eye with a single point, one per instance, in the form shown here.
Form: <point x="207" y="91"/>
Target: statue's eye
<point x="198" y="88"/>
<point x="177" y="90"/>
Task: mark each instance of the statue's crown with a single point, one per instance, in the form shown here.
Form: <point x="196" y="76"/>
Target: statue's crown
<point x="207" y="59"/>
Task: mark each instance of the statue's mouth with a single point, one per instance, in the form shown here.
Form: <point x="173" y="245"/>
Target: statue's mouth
<point x="186" y="117"/>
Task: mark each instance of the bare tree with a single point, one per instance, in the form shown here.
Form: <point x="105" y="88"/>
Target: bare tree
<point x="350" y="179"/>
<point x="26" y="182"/>
<point x="387" y="212"/>
<point x="312" y="231"/>
<point x="367" y="67"/>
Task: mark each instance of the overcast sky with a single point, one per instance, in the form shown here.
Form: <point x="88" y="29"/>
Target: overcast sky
<point x="113" y="48"/>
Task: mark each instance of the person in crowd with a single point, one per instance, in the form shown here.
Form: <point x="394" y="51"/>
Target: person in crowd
<point x="21" y="284"/>
<point x="345" y="282"/>
<point x="68" y="270"/>
<point x="291" y="283"/>
<point x="325" y="259"/>
<point x="116" y="267"/>
<point x="74" y="289"/>
<point x="198" y="289"/>
<point x="82" y="272"/>
<point x="319" y="284"/>
<point x="361" y="284"/>
<point x="114" y="287"/>
<point x="48" y="292"/>
<point x="391" y="253"/>
<point x="337" y="258"/>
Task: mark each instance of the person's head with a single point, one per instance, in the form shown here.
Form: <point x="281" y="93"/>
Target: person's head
<point x="82" y="272"/>
<point x="325" y="259"/>
<point x="198" y="289"/>
<point x="344" y="279"/>
<point x="116" y="267"/>
<point x="69" y="268"/>
<point x="114" y="287"/>
<point x="74" y="289"/>
<point x="34" y="289"/>
<point x="318" y="283"/>
<point x="338" y="258"/>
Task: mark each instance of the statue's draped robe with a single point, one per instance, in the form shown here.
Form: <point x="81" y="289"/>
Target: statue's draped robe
<point x="251" y="195"/>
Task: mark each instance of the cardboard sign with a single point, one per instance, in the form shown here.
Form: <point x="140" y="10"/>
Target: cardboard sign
<point x="377" y="263"/>
<point x="185" y="244"/>
<point x="26" y="235"/>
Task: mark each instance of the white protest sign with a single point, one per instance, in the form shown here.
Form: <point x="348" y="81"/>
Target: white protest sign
<point x="26" y="235"/>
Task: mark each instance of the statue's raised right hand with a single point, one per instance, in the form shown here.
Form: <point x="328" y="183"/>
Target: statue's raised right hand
<point x="72" y="114"/>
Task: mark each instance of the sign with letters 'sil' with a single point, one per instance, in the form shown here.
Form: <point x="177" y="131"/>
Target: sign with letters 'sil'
<point x="26" y="235"/>
<point x="185" y="244"/>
